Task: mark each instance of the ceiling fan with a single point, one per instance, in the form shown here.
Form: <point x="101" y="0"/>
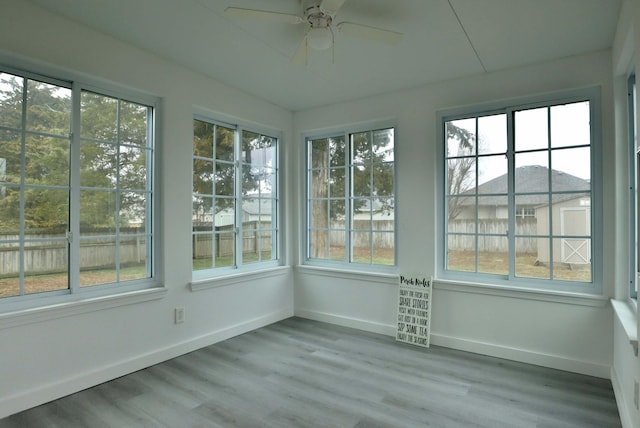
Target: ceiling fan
<point x="319" y="17"/>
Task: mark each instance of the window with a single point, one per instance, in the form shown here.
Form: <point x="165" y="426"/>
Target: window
<point x="235" y="198"/>
<point x="634" y="185"/>
<point x="75" y="188"/>
<point x="350" y="198"/>
<point x="518" y="188"/>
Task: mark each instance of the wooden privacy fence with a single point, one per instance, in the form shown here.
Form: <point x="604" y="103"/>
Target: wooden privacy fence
<point x="255" y="236"/>
<point x="42" y="256"/>
<point x="492" y="235"/>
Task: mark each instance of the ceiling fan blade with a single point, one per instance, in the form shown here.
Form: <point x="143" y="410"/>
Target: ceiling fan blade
<point x="300" y="56"/>
<point x="264" y="14"/>
<point x="331" y="7"/>
<point x="371" y="33"/>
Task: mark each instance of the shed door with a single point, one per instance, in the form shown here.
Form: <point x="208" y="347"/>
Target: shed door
<point x="576" y="221"/>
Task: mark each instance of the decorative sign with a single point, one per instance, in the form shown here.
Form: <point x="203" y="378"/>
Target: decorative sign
<point x="414" y="310"/>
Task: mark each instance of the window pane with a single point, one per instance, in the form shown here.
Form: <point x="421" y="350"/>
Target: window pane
<point x="202" y="177"/>
<point x="98" y="164"/>
<point x="10" y="157"/>
<point x="384" y="247"/>
<point x="532" y="173"/>
<point x="361" y="151"/>
<point x="251" y="178"/>
<point x="133" y="211"/>
<point x="319" y="217"/>
<point x="337" y="245"/>
<point x="533" y="258"/>
<point x="99" y="117"/>
<point x="570" y="125"/>
<point x="337" y="151"/>
<point x="258" y="150"/>
<point x="383" y="179"/>
<point x="571" y="215"/>
<point x="337" y="182"/>
<point x="46" y="209"/>
<point x="573" y="260"/>
<point x="361" y="243"/>
<point x="11" y="89"/>
<point x="224" y="143"/>
<point x="133" y="124"/>
<point x="47" y="161"/>
<point x="461" y="253"/>
<point x="45" y="266"/>
<point x="337" y="211"/>
<point x="225" y="249"/>
<point x="10" y="210"/>
<point x="97" y="261"/>
<point x="461" y="176"/>
<point x="492" y="174"/>
<point x="361" y="181"/>
<point x="461" y="137"/>
<point x="572" y="169"/>
<point x="224" y="179"/>
<point x="492" y="134"/>
<point x="48" y="108"/>
<point x="133" y="168"/>
<point x="133" y="257"/>
<point x="461" y="214"/>
<point x="203" y="139"/>
<point x="202" y="252"/>
<point x="383" y="145"/>
<point x="318" y="244"/>
<point x="225" y="212"/>
<point x="531" y="129"/>
<point x="493" y="214"/>
<point x="493" y="254"/>
<point x="10" y="280"/>
<point x="532" y="214"/>
<point x="97" y="212"/>
<point x="202" y="216"/>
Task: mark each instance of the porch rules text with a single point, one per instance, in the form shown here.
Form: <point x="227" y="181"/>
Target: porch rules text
<point x="414" y="310"/>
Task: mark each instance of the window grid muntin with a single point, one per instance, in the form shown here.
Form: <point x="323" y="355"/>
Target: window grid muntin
<point x="349" y="231"/>
<point x="634" y="186"/>
<point x="237" y="230"/>
<point x="72" y="188"/>
<point x="592" y="99"/>
<point x="115" y="190"/>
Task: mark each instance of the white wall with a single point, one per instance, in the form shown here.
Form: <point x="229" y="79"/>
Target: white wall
<point x="626" y="56"/>
<point x="518" y="325"/>
<point x="47" y="355"/>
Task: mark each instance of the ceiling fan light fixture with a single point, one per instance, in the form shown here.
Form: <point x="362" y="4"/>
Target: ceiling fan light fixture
<point x="320" y="38"/>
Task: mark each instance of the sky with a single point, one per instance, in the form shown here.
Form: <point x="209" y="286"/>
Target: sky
<point x="569" y="126"/>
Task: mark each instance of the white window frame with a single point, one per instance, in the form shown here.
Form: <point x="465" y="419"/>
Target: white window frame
<point x="346" y="133"/>
<point x="634" y="186"/>
<point x="511" y="281"/>
<point x="76" y="298"/>
<point x="201" y="277"/>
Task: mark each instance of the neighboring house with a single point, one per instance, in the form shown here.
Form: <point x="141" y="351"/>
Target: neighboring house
<point x="570" y="212"/>
<point x="252" y="210"/>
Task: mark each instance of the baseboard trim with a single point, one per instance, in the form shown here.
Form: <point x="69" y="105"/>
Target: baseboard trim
<point x="476" y="347"/>
<point x="351" y="322"/>
<point x="623" y="408"/>
<point x="43" y="394"/>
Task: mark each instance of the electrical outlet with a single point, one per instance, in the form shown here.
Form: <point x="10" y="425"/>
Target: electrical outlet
<point x="635" y="393"/>
<point x="179" y="315"/>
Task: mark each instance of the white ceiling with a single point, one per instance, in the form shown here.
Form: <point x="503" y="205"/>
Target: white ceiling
<point x="443" y="39"/>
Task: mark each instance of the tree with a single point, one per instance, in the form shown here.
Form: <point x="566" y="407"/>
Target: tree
<point x="113" y="155"/>
<point x="460" y="167"/>
<point x="372" y="181"/>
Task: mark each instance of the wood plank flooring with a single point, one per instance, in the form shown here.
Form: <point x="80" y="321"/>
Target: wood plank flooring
<point x="302" y="373"/>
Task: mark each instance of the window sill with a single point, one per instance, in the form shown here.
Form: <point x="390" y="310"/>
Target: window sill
<point x="628" y="318"/>
<point x="521" y="293"/>
<point x="76" y="307"/>
<point x="378" y="277"/>
<point x="236" y="278"/>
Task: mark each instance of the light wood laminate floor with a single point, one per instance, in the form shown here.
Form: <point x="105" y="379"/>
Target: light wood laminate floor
<point x="302" y="373"/>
